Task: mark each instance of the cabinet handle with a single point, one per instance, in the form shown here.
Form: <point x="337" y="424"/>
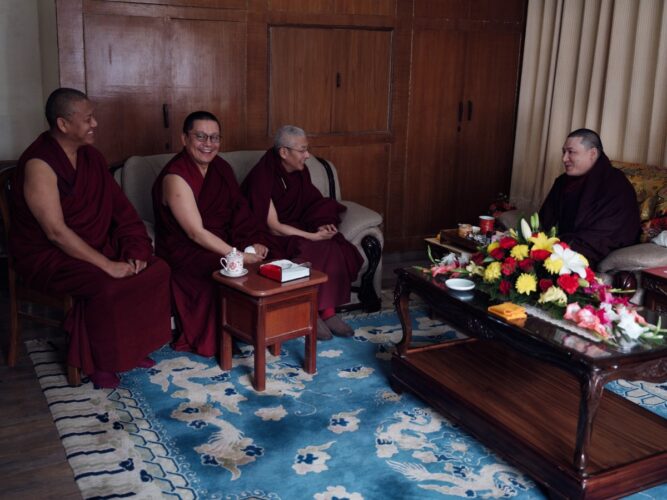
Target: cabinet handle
<point x="165" y="115"/>
<point x="337" y="80"/>
<point x="469" y="110"/>
<point x="460" y="115"/>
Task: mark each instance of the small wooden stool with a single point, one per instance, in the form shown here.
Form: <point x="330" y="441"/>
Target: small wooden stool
<point x="265" y="313"/>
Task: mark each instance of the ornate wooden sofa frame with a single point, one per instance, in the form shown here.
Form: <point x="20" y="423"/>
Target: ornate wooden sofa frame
<point x="360" y="225"/>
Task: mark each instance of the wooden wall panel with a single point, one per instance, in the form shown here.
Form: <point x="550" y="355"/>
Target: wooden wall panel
<point x="362" y="60"/>
<point x="213" y="80"/>
<point x="127" y="71"/>
<point x="70" y="44"/>
<point x="359" y="7"/>
<point x="362" y="173"/>
<point x="301" y="82"/>
<point x="491" y="57"/>
<point x="430" y="183"/>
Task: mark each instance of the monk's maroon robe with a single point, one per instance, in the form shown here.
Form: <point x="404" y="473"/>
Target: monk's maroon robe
<point x="300" y="204"/>
<point x="225" y="213"/>
<point x="114" y="323"/>
<point x="594" y="213"/>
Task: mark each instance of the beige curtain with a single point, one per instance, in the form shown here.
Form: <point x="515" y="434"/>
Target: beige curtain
<point x="600" y="64"/>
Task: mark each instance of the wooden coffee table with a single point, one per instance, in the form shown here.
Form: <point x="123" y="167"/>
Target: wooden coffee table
<point x="535" y="393"/>
<point x="265" y="313"/>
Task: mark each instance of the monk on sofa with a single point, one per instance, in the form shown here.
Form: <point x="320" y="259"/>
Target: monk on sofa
<point x="592" y="204"/>
<point x="283" y="197"/>
<point x="75" y="232"/>
<point x="200" y="214"/>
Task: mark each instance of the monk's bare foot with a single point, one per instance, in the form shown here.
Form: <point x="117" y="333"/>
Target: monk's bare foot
<point x="104" y="380"/>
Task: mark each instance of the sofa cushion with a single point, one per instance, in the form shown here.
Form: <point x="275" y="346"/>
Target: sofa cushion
<point x="635" y="257"/>
<point x="650" y="183"/>
<point x="136" y="179"/>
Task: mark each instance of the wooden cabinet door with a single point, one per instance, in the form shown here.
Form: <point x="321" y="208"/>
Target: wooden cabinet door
<point x="362" y="81"/>
<point x="126" y="75"/>
<point x="300" y="79"/>
<point x="487" y="131"/>
<point x="330" y="80"/>
<point x="430" y="181"/>
<point x="207" y="66"/>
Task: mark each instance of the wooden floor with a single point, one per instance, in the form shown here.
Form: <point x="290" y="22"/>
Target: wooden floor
<point x="32" y="459"/>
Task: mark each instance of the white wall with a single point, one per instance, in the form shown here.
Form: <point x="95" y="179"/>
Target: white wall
<point x="26" y="75"/>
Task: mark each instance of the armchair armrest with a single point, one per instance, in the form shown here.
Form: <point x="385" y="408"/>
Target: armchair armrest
<point x="635" y="257"/>
<point x="356" y="220"/>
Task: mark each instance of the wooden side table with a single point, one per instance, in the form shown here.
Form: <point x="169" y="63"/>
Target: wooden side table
<point x="265" y="313"/>
<point x="654" y="283"/>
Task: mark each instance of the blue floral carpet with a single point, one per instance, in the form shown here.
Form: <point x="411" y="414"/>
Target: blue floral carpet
<point x="185" y="429"/>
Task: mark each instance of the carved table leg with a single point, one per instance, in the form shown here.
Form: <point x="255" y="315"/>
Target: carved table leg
<point x="402" y="303"/>
<point x="592" y="387"/>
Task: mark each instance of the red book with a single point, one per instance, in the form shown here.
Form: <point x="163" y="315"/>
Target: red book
<point x="284" y="270"/>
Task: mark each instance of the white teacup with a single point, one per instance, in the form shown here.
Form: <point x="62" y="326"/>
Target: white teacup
<point x="232" y="263"/>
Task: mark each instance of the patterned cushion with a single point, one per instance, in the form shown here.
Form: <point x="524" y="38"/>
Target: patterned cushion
<point x="650" y="183"/>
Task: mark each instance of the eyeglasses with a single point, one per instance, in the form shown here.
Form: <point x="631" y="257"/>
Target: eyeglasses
<point x="203" y="138"/>
<point x="304" y="150"/>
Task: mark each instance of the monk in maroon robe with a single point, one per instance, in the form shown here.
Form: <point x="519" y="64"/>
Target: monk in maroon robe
<point x="283" y="197"/>
<point x="200" y="215"/>
<point x="73" y="231"/>
<point x="592" y="204"/>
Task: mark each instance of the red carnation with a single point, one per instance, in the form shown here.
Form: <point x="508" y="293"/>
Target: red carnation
<point x="590" y="275"/>
<point x="545" y="284"/>
<point x="540" y="254"/>
<point x="563" y="244"/>
<point x="477" y="258"/>
<point x="497" y="253"/>
<point x="505" y="287"/>
<point x="526" y="264"/>
<point x="509" y="266"/>
<point x="568" y="282"/>
<point x="507" y="242"/>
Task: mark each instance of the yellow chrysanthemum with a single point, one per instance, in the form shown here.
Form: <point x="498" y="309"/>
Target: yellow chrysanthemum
<point x="492" y="272"/>
<point x="492" y="247"/>
<point x="519" y="252"/>
<point x="542" y="242"/>
<point x="526" y="283"/>
<point x="553" y="265"/>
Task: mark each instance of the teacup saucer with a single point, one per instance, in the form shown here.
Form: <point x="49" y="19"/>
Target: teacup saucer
<point x="229" y="275"/>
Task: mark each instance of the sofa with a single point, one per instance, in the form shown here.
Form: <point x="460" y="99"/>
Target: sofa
<point x="360" y="225"/>
<point x="650" y="183"/>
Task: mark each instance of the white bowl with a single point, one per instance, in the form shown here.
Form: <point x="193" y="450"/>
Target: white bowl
<point x="459" y="284"/>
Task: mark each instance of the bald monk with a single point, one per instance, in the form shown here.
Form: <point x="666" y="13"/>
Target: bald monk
<point x="74" y="231"/>
<point x="592" y="204"/>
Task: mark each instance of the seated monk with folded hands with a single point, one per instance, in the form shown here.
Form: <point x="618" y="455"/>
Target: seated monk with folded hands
<point x="73" y="231"/>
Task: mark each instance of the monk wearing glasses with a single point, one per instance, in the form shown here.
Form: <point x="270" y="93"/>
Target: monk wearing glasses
<point x="200" y="215"/>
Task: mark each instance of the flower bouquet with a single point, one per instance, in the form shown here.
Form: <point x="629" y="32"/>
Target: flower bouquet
<point x="528" y="265"/>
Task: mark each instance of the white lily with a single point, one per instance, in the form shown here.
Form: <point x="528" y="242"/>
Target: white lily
<point x="628" y="325"/>
<point x="526" y="232"/>
<point x="572" y="261"/>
